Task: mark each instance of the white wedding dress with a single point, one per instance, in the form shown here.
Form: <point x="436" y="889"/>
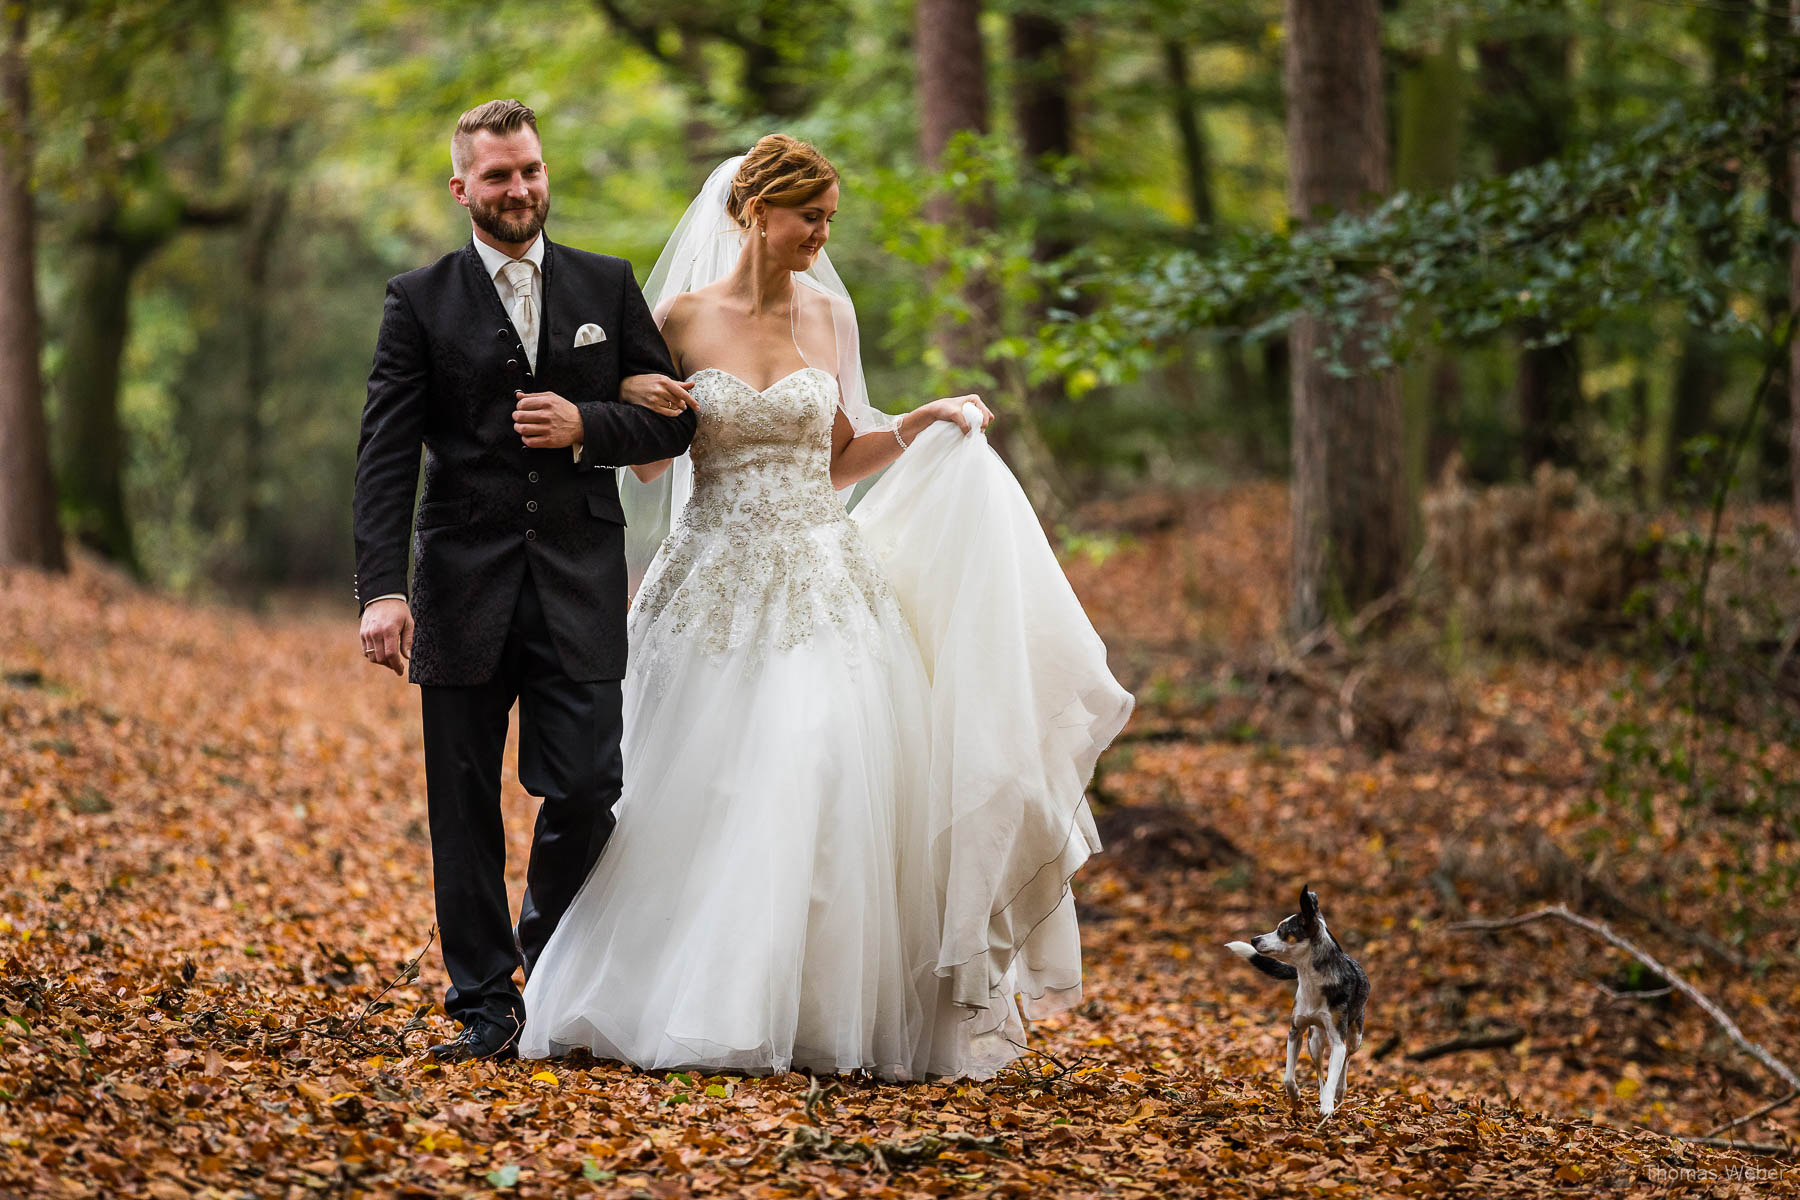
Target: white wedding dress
<point x="855" y="752"/>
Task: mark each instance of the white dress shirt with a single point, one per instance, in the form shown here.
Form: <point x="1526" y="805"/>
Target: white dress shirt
<point x="492" y="260"/>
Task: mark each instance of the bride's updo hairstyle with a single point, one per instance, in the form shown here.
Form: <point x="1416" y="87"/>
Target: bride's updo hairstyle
<point x="781" y="171"/>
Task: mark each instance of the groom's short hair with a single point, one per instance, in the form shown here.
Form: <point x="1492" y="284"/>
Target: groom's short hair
<point x="499" y="117"/>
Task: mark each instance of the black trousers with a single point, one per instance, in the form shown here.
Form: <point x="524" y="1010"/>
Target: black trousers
<point x="568" y="755"/>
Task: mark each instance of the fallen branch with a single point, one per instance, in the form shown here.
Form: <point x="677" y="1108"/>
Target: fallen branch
<point x="1558" y="912"/>
<point x="355" y="1032"/>
<point x="1748" y="1117"/>
<point x="1773" y="1149"/>
<point x="1498" y="1039"/>
<point x="808" y="1142"/>
<point x="1015" y="1077"/>
<point x="1646" y="994"/>
<point x="1382" y="730"/>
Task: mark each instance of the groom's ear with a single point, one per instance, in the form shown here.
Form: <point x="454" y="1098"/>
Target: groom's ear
<point x="459" y="191"/>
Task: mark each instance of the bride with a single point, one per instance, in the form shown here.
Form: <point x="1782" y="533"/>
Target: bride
<point x="855" y="745"/>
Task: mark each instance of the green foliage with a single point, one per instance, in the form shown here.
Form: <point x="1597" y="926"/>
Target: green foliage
<point x="335" y="120"/>
<point x="1565" y="245"/>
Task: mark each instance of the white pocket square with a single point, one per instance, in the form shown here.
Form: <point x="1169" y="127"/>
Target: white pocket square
<point x="588" y="334"/>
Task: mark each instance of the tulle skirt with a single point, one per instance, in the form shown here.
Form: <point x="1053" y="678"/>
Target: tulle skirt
<point x="852" y="851"/>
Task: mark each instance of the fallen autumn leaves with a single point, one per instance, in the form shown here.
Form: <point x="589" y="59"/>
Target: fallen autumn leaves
<point x="215" y="862"/>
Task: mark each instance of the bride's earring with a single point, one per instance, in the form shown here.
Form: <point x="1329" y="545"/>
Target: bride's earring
<point x="763" y="231"/>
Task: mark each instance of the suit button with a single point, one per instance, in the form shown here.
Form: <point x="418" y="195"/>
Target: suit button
<point x="501" y="334"/>
<point x="531" y="506"/>
<point x="532" y="477"/>
<point x="531" y="535"/>
<point x="511" y="363"/>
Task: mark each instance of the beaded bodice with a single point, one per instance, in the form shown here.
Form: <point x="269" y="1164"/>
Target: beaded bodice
<point x="763" y="555"/>
<point x="762" y="455"/>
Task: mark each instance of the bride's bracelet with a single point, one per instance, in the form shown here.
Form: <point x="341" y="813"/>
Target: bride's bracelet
<point x="897" y="436"/>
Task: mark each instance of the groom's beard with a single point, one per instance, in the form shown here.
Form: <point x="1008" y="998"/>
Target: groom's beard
<point x="514" y="225"/>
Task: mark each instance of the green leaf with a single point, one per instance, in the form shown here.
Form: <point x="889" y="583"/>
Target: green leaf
<point x="503" y="1177"/>
<point x="590" y="1171"/>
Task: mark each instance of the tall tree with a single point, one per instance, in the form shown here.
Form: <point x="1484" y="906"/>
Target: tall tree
<point x="951" y="74"/>
<point x="1781" y="71"/>
<point x="1427" y="155"/>
<point x="1351" y="524"/>
<point x="1701" y="369"/>
<point x="1042" y="115"/>
<point x="129" y="199"/>
<point x="1527" y="113"/>
<point x="29" y="535"/>
<point x="1184" y="108"/>
<point x="1793" y="70"/>
<point x="781" y="48"/>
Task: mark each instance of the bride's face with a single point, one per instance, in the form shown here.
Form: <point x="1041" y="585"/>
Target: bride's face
<point x="794" y="236"/>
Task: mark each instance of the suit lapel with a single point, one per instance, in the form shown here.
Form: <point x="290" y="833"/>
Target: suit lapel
<point x="487" y="298"/>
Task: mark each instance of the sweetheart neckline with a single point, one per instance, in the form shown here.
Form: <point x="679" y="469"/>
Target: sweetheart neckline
<point x="760" y="391"/>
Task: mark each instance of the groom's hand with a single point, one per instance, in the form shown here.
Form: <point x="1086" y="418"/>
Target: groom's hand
<point x="546" y="421"/>
<point x="387" y="633"/>
<point x="658" y="393"/>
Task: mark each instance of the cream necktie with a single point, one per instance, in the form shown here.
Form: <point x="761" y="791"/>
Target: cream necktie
<point x="524" y="307"/>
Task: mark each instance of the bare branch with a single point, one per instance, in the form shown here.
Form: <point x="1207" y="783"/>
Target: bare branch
<point x="1773" y="1149"/>
<point x="1559" y="912"/>
<point x="1748" y="1117"/>
<point x="1496" y="1039"/>
<point x="647" y="35"/>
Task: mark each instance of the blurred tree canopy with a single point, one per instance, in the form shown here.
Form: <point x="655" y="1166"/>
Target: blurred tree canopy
<point x="1584" y="263"/>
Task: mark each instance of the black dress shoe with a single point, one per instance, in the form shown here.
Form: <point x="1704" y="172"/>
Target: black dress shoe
<point x="481" y="1038"/>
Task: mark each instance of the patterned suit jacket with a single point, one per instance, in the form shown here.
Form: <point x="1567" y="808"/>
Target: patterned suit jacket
<point x="447" y="362"/>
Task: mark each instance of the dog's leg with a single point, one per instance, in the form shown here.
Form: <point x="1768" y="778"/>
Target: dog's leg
<point x="1332" y="1090"/>
<point x="1315" y="1049"/>
<point x="1288" y="1082"/>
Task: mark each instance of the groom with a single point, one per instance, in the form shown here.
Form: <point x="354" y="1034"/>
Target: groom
<point x="511" y="363"/>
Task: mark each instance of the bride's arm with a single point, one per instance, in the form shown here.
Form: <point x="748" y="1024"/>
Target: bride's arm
<point x="658" y="393"/>
<point x="854" y="458"/>
<point x="648" y="471"/>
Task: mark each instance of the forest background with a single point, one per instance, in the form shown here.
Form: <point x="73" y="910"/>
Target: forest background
<point x="1406" y="384"/>
<point x="220" y="191"/>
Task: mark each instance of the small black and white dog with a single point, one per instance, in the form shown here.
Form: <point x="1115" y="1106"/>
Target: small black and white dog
<point x="1328" y="1003"/>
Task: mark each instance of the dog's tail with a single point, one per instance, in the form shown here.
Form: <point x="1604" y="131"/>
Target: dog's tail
<point x="1273" y="968"/>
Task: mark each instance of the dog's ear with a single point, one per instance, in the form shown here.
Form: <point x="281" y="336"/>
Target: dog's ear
<point x="1309" y="908"/>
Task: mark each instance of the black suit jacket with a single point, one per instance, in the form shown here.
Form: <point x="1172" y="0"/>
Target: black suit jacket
<point x="447" y="362"/>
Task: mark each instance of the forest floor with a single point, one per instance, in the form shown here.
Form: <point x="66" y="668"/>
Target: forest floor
<point x="215" y="859"/>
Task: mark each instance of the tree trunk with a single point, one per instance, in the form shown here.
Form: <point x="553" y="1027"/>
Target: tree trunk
<point x="90" y="439"/>
<point x="1427" y="158"/>
<point x="1782" y="63"/>
<point x="1528" y="112"/>
<point x="1548" y="392"/>
<point x="1700" y="370"/>
<point x="953" y="99"/>
<point x="1351" y="524"/>
<point x="1042" y="114"/>
<point x="1185" y="109"/>
<point x="1794" y="265"/>
<point x="1040" y="49"/>
<point x="29" y="534"/>
<point x="260" y="541"/>
<point x="1699" y="376"/>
